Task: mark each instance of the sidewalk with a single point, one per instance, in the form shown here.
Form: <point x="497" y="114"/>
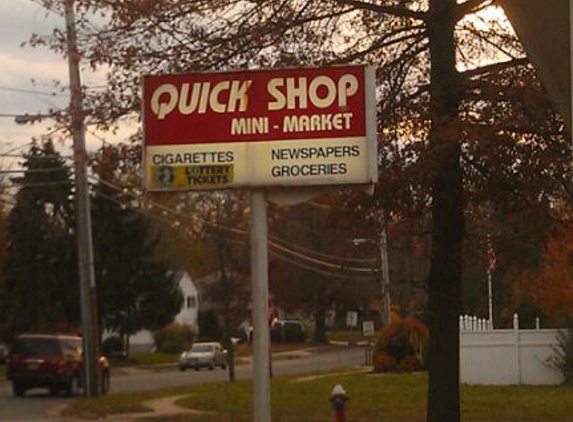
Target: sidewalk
<point x="158" y="408"/>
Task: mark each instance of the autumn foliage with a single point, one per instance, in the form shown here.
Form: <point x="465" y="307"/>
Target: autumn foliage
<point x="400" y="346"/>
<point x="552" y="287"/>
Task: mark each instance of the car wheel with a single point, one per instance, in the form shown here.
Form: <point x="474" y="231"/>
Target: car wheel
<point x="182" y="368"/>
<point x="212" y="366"/>
<point x="18" y="388"/>
<point x="73" y="388"/>
<point x="53" y="391"/>
<point x="196" y="368"/>
<point x="223" y="366"/>
<point x="105" y="382"/>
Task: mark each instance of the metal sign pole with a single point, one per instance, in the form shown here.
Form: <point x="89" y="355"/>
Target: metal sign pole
<point x="260" y="283"/>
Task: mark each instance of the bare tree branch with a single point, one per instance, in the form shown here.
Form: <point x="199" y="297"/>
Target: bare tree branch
<point x="471" y="6"/>
<point x="402" y="12"/>
<point x="494" y="68"/>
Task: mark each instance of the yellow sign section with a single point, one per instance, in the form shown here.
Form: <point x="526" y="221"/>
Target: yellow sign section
<point x="203" y="176"/>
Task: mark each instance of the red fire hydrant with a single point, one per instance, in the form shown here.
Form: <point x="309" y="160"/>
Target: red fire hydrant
<point x="338" y="399"/>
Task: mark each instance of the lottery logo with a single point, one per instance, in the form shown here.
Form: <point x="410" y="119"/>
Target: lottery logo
<point x="166" y="175"/>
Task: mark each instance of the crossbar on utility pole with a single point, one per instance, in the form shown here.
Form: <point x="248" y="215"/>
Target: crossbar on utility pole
<point x="90" y="332"/>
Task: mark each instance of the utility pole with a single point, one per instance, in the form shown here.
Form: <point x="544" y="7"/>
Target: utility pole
<point x="383" y="271"/>
<point x="383" y="246"/>
<point x="490" y="267"/>
<point x="90" y="332"/>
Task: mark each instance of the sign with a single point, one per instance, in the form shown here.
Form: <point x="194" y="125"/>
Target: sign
<point x="352" y="319"/>
<point x="267" y="128"/>
<point x="368" y="328"/>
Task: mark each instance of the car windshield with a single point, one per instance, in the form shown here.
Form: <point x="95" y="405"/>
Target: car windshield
<point x="72" y="346"/>
<point x="37" y="347"/>
<point x="202" y="348"/>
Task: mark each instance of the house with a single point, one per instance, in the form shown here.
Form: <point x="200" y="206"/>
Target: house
<point x="188" y="315"/>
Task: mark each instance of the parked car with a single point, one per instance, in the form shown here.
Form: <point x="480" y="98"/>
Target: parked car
<point x="50" y="361"/>
<point x="3" y="353"/>
<point x="288" y="331"/>
<point x="207" y="355"/>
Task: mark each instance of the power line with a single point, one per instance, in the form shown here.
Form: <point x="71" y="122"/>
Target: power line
<point x="318" y="271"/>
<point x="37" y="184"/>
<point x="10" y="115"/>
<point x="43" y="156"/>
<point x="323" y="255"/>
<point x="318" y="261"/>
<point x="45" y="170"/>
<point x="274" y="253"/>
<point x="30" y="91"/>
<point x="279" y="251"/>
<point x="17" y="148"/>
<point x="295" y="258"/>
<point x="142" y="211"/>
<point x="272" y="242"/>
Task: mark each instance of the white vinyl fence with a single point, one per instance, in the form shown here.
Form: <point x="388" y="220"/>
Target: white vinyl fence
<point x="506" y="357"/>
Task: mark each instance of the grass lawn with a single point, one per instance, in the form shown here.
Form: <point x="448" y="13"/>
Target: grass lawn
<point x="145" y="359"/>
<point x="384" y="398"/>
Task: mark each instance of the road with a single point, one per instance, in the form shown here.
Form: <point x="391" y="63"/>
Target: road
<point x="33" y="406"/>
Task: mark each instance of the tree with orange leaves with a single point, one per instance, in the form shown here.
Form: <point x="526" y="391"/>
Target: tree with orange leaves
<point x="552" y="288"/>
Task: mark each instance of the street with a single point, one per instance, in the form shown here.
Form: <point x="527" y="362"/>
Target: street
<point x="33" y="406"/>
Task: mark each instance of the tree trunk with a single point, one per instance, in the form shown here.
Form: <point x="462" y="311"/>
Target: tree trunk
<point x="221" y="251"/>
<point x="447" y="218"/>
<point x="320" y="327"/>
<point x="227" y="325"/>
<point x="126" y="333"/>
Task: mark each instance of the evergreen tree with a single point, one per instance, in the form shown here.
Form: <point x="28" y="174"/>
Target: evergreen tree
<point x="40" y="274"/>
<point x="136" y="290"/>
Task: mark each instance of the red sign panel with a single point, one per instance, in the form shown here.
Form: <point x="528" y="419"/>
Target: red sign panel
<point x="269" y="105"/>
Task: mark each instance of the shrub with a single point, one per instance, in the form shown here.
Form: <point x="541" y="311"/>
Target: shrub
<point x="173" y="338"/>
<point x="112" y="346"/>
<point x="410" y="364"/>
<point x="404" y="339"/>
<point x="563" y="358"/>
<point x="288" y="332"/>
<point x="383" y="362"/>
<point x="294" y="333"/>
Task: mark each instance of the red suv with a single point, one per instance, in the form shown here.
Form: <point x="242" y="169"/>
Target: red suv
<point x="49" y="360"/>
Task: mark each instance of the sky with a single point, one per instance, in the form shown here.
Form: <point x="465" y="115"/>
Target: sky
<point x="33" y="70"/>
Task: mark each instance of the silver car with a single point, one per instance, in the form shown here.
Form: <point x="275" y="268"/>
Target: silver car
<point x="203" y="355"/>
